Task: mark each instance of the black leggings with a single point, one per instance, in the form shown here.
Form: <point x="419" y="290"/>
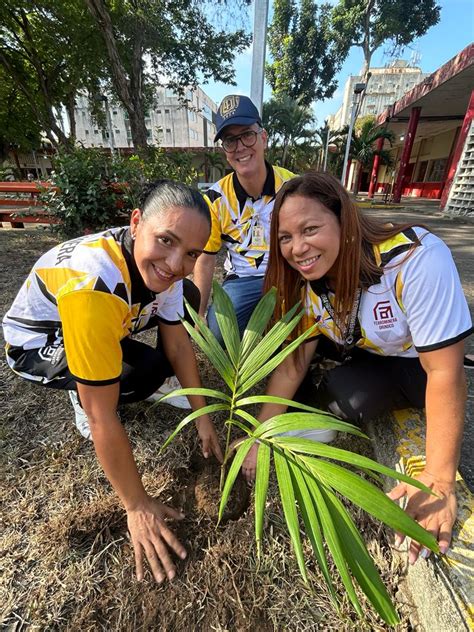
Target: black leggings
<point x="144" y="368"/>
<point x="368" y="385"/>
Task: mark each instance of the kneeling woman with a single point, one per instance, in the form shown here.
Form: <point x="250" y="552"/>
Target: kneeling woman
<point x="70" y="326"/>
<point x="389" y="300"/>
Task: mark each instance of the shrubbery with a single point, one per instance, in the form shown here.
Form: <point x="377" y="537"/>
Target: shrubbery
<point x="93" y="191"/>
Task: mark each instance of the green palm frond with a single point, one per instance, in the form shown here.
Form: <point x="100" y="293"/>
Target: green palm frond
<point x="311" y="476"/>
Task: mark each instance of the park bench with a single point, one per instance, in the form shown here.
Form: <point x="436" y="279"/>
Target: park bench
<point x="19" y="204"/>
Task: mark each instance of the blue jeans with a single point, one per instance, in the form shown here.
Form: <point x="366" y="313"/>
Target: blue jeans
<point x="244" y="292"/>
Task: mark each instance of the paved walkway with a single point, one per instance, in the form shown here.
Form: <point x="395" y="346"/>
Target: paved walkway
<point x="458" y="233"/>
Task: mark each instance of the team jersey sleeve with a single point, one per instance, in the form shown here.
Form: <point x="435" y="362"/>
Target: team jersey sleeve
<point x="92" y="325"/>
<point x="172" y="308"/>
<point x="310" y="318"/>
<point x="433" y="299"/>
<point x="215" y="241"/>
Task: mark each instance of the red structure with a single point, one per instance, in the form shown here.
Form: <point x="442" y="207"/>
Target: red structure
<point x="430" y="124"/>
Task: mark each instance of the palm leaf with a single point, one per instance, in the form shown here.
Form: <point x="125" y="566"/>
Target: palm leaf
<point x="247" y="416"/>
<point x="312" y="524"/>
<point x="273" y="399"/>
<point x="307" y="446"/>
<point x="332" y="538"/>
<point x="205" y="410"/>
<point x="261" y="489"/>
<point x="234" y="469"/>
<point x="269" y="366"/>
<point x="373" y="500"/>
<point x="288" y="502"/>
<point x="257" y="323"/>
<point x="277" y="335"/>
<point x="227" y="321"/>
<point x="213" y="351"/>
<point x="287" y="422"/>
<point x="359" y="560"/>
<point x="205" y="392"/>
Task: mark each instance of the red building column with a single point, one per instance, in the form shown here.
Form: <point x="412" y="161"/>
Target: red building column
<point x="468" y="119"/>
<point x="407" y="147"/>
<point x="375" y="168"/>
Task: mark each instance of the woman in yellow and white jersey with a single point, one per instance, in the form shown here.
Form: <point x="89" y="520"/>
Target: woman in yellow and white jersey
<point x="70" y="326"/>
<point x="387" y="301"/>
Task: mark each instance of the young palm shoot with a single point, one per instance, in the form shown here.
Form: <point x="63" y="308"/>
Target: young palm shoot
<point x="311" y="475"/>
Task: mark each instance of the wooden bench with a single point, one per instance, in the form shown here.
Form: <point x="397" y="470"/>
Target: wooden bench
<point x="19" y="204"/>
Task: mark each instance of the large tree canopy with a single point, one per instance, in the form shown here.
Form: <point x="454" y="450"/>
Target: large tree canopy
<point x="48" y="52"/>
<point x="371" y="23"/>
<point x="305" y="57"/>
<point x="149" y="42"/>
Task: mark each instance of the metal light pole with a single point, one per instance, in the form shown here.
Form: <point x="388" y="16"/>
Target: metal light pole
<point x="258" y="55"/>
<point x="326" y="149"/>
<point x="358" y="90"/>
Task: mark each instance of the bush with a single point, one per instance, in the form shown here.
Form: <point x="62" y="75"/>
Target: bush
<point x="82" y="196"/>
<point x="93" y="191"/>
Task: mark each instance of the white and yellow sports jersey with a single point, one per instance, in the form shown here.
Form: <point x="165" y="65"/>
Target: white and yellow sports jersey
<point x="87" y="294"/>
<point x="417" y="305"/>
<point x="242" y="224"/>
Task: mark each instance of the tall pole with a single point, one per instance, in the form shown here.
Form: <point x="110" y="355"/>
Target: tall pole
<point x="258" y="55"/>
<point x="326" y="149"/>
<point x="358" y="89"/>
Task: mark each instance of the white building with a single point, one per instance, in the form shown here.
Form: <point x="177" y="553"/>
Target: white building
<point x="169" y="123"/>
<point x="385" y="86"/>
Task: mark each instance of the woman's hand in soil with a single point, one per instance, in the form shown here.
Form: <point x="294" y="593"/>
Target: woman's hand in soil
<point x="209" y="440"/>
<point x="435" y="513"/>
<point x="249" y="465"/>
<point x="151" y="538"/>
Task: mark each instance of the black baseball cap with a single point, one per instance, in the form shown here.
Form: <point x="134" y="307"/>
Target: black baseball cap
<point x="235" y="109"/>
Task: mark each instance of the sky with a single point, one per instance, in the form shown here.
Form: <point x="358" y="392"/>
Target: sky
<point x="454" y="32"/>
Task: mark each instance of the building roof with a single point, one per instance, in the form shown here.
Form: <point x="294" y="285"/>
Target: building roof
<point x="443" y="97"/>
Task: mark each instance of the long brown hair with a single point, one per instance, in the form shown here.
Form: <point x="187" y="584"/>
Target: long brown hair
<point x="355" y="264"/>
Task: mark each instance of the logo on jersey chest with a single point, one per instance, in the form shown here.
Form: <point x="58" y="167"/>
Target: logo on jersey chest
<point x="383" y="315"/>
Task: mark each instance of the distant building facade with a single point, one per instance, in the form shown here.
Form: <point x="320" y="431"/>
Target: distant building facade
<point x="386" y="85"/>
<point x="169" y="123"/>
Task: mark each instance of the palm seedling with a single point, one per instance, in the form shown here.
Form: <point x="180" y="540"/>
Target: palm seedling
<point x="309" y="474"/>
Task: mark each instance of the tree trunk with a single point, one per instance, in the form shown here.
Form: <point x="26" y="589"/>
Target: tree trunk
<point x="70" y="109"/>
<point x="358" y="178"/>
<point x="129" y="90"/>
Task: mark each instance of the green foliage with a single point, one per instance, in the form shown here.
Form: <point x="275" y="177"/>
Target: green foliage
<point x="48" y="51"/>
<point x="143" y="42"/>
<point x="290" y="132"/>
<point x="93" y="191"/>
<point x="305" y="57"/>
<point x="82" y="196"/>
<point x="363" y="145"/>
<point x="309" y="476"/>
<point x="370" y="23"/>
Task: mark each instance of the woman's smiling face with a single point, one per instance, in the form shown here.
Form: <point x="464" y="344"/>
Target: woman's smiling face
<point x="309" y="237"/>
<point x="168" y="244"/>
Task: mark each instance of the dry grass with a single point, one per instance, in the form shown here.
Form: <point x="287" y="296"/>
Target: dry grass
<point x="66" y="561"/>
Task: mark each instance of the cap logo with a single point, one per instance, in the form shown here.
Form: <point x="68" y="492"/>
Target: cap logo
<point x="229" y="105"/>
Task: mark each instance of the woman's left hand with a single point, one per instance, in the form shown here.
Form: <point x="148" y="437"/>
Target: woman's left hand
<point x="209" y="440"/>
<point x="435" y="513"/>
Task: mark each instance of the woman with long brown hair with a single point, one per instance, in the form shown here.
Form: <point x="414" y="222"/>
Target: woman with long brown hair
<point x="388" y="304"/>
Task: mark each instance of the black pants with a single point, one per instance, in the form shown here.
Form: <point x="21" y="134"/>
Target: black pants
<point x="144" y="368"/>
<point x="367" y="385"/>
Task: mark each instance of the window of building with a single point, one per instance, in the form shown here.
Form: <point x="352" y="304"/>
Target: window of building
<point x="148" y="132"/>
<point x="117" y="131"/>
<point x="169" y="92"/>
<point x="192" y="116"/>
<point x="422" y="171"/>
<point x="207" y="112"/>
<point x="158" y="111"/>
<point x="189" y="95"/>
<point x="436" y="170"/>
<point x="87" y="132"/>
<point x="96" y="131"/>
<point x="114" y="112"/>
<point x="167" y="111"/>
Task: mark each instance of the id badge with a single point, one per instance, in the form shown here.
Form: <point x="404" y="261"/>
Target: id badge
<point x="258" y="236"/>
